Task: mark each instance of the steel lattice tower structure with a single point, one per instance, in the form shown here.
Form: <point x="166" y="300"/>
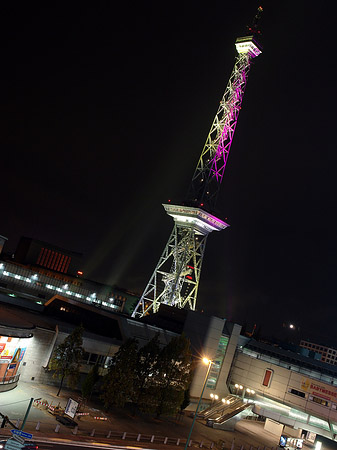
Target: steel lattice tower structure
<point x="175" y="279"/>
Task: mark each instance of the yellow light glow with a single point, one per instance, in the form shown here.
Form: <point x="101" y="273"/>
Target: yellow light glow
<point x="216" y="397"/>
<point x="236" y="386"/>
<point x="223" y="400"/>
<point x="206" y="360"/>
<point x="252" y="392"/>
<point x="248" y="390"/>
<point x="240" y="387"/>
<point x="211" y="395"/>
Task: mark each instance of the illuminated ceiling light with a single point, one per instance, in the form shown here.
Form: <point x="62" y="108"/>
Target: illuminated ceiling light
<point x="228" y="402"/>
<point x="252" y="392"/>
<point x="223" y="400"/>
<point x="2" y="266"/>
<point x="34" y="277"/>
<point x="65" y="286"/>
<point x="212" y="395"/>
<point x="240" y="387"/>
<point x="236" y="385"/>
<point x="248" y="390"/>
<point x="216" y="397"/>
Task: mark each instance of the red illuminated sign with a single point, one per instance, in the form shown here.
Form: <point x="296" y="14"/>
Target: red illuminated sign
<point x="267" y="377"/>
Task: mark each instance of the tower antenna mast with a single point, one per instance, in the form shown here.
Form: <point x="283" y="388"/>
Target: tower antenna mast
<point x="175" y="280"/>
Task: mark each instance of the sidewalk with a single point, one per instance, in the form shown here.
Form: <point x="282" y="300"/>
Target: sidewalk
<point x="14" y="404"/>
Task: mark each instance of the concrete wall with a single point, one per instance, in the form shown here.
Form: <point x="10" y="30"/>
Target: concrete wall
<point x="204" y="332"/>
<point x="36" y="356"/>
<point x="273" y="427"/>
<point x="249" y="372"/>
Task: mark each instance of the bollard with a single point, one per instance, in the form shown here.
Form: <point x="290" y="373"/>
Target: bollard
<point x="93" y="432"/>
<point x="75" y="430"/>
<point x="124" y="435"/>
<point x="201" y="444"/>
<point x="242" y="447"/>
<point x="212" y="445"/>
<point x="251" y="447"/>
<point x="57" y="428"/>
<point x="138" y="437"/>
<point x="165" y="440"/>
<point x="233" y="443"/>
<point x="152" y="438"/>
<point x="37" y="428"/>
<point x="178" y="441"/>
<point x="190" y="443"/>
<point x="18" y="424"/>
<point x="108" y="435"/>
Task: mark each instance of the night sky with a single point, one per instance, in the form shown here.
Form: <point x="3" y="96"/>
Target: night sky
<point x="105" y="111"/>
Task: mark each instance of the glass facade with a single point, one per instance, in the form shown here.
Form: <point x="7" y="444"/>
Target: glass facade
<point x="217" y="363"/>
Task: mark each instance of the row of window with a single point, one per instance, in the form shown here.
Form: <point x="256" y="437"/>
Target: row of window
<point x="318" y="348"/>
<point x="94" y="358"/>
<point x="314" y="399"/>
<point x="53" y="260"/>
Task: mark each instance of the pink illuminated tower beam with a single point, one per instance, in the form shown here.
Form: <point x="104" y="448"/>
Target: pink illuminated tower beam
<point x="208" y="175"/>
<point x="175" y="280"/>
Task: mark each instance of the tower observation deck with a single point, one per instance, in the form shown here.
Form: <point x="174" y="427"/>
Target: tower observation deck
<point x="175" y="280"/>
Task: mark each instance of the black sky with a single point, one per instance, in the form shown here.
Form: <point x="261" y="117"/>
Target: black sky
<point x="104" y="113"/>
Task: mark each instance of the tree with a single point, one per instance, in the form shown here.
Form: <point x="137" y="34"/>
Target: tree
<point x="119" y="382"/>
<point x="67" y="359"/>
<point x="186" y="400"/>
<point x="173" y="376"/>
<point x="146" y="371"/>
<point x="90" y="381"/>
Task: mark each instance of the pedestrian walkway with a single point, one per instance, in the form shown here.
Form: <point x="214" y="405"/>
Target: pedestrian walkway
<point x="14" y="404"/>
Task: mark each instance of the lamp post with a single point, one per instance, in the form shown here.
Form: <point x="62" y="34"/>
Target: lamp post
<point x="209" y="362"/>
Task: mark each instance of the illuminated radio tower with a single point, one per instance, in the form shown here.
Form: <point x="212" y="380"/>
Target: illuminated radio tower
<point x="175" y="279"/>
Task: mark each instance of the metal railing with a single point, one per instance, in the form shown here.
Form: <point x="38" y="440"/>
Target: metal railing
<point x="9" y="379"/>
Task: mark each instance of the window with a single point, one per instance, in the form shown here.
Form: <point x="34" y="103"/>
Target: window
<point x="320" y="401"/>
<point x="296" y="392"/>
<point x="217" y="364"/>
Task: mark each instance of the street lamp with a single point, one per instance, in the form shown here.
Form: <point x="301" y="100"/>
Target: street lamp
<point x="209" y="363"/>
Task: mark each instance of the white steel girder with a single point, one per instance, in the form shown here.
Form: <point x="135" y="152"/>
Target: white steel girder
<point x="175" y="280"/>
